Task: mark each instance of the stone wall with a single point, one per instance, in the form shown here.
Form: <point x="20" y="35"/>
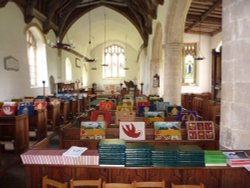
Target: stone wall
<point x="235" y="110"/>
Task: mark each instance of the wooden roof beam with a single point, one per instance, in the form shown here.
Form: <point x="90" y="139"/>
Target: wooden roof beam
<point x="205" y="15"/>
<point x="3" y="3"/>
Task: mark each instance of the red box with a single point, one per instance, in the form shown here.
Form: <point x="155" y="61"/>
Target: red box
<point x="106" y="105"/>
<point x="104" y="115"/>
<point x="8" y="110"/>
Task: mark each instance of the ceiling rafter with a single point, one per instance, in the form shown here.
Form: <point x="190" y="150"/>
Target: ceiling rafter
<point x="204" y="15"/>
<point x="60" y="15"/>
<point x="50" y="10"/>
<point x="3" y="3"/>
<point x="29" y="10"/>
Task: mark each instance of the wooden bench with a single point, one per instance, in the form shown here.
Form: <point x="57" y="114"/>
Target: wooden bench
<point x="64" y="111"/>
<point x="54" y="115"/>
<point x="15" y="128"/>
<point x="211" y="177"/>
<point x="44" y="143"/>
<point x="38" y="123"/>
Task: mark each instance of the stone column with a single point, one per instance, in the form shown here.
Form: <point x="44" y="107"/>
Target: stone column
<point x="175" y="24"/>
<point x="235" y="97"/>
<point x="59" y="65"/>
<point x="173" y="73"/>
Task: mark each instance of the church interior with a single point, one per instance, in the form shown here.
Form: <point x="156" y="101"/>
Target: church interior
<point x="122" y="93"/>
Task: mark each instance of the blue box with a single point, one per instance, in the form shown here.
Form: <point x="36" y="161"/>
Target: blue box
<point x="26" y="108"/>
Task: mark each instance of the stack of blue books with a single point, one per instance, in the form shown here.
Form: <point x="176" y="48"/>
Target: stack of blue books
<point x="138" y="155"/>
<point x="190" y="155"/>
<point x="164" y="155"/>
<point x="111" y="152"/>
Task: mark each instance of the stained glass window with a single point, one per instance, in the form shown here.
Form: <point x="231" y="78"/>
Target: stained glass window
<point x="189" y="64"/>
<point x="114" y="61"/>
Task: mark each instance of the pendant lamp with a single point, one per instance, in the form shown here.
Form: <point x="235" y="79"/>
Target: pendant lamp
<point x="199" y="56"/>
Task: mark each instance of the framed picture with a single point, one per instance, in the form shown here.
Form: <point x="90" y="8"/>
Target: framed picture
<point x="78" y="62"/>
<point x="156" y="81"/>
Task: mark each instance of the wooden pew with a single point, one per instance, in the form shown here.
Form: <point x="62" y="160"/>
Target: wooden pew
<point x="73" y="107"/>
<point x="38" y="123"/>
<point x="54" y="115"/>
<point x="15" y="128"/>
<point x="209" y="110"/>
<point x="64" y="111"/>
<point x="44" y="143"/>
<point x="214" y="112"/>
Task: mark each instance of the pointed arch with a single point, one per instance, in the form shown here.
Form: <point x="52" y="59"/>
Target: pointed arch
<point x="36" y="50"/>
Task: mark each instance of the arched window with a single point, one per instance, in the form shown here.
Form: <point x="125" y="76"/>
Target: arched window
<point x="84" y="75"/>
<point x="36" y="57"/>
<point x="68" y="70"/>
<point x="114" y="61"/>
<point x="189" y="67"/>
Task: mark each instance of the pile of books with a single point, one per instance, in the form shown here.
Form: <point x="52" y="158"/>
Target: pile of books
<point x="190" y="155"/>
<point x="138" y="154"/>
<point x="111" y="152"/>
<point x="237" y="158"/>
<point x="73" y="156"/>
<point x="215" y="158"/>
<point x="164" y="155"/>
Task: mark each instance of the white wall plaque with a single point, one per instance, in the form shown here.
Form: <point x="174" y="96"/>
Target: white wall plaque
<point x="10" y="63"/>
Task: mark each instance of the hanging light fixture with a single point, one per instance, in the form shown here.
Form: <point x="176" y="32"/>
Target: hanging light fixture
<point x="199" y="57"/>
<point x="126" y="53"/>
<point x="104" y="41"/>
<point x="69" y="45"/>
<point x="89" y="59"/>
<point x="90" y="44"/>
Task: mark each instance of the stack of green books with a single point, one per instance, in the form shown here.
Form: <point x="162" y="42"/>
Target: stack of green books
<point x="138" y="155"/>
<point x="164" y="155"/>
<point x="215" y="158"/>
<point x="111" y="152"/>
<point x="190" y="155"/>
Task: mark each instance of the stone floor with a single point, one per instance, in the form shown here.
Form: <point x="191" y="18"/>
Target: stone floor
<point x="12" y="172"/>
